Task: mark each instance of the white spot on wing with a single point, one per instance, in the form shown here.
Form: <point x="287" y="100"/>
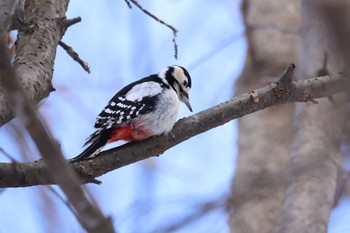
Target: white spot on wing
<point x="121" y="105"/>
<point x="145" y="89"/>
<point x="108" y="110"/>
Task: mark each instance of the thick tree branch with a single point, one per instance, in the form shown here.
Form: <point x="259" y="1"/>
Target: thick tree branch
<point x="34" y="173"/>
<point x="316" y="158"/>
<point x="36" y="45"/>
<point x="7" y="9"/>
<point x="7" y="14"/>
<point x="89" y="216"/>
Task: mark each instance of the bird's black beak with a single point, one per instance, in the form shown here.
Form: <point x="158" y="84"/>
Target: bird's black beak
<point x="186" y="100"/>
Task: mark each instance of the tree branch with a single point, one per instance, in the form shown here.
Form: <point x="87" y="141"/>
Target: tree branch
<point x="36" y="45"/>
<point x="34" y="173"/>
<point x="90" y="217"/>
<point x="75" y="56"/>
<point x="70" y="22"/>
<point x="7" y="9"/>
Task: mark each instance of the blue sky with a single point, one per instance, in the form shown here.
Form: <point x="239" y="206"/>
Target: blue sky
<point x="121" y="46"/>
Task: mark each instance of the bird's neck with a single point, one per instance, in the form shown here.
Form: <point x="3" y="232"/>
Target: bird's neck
<point x="170" y="81"/>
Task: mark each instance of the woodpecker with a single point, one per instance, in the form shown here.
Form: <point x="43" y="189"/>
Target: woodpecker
<point x="145" y="108"/>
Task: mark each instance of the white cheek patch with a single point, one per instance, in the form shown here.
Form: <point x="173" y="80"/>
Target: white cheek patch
<point x="146" y="89"/>
<point x="179" y="75"/>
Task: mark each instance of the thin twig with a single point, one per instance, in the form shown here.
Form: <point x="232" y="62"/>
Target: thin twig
<point x="159" y="20"/>
<point x="75" y="56"/>
<point x="128" y="3"/>
<point x="287" y="75"/>
<point x="70" y="22"/>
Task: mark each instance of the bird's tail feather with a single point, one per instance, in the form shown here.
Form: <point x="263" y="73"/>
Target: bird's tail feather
<point x="94" y="148"/>
<point x="100" y="138"/>
<point x="89" y="152"/>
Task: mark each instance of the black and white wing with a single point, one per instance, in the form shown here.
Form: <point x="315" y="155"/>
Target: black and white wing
<point x="120" y="111"/>
<point x="133" y="100"/>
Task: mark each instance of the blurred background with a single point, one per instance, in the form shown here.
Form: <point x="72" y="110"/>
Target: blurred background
<point x="186" y="188"/>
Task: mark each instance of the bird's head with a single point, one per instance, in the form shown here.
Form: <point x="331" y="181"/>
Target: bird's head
<point x="180" y="80"/>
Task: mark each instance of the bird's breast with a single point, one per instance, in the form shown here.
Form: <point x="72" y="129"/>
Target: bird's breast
<point x="160" y="120"/>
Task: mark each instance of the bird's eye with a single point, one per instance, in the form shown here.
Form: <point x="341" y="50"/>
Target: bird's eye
<point x="184" y="83"/>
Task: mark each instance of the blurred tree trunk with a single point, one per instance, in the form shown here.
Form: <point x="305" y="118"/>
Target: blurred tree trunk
<point x="315" y="157"/>
<point x="264" y="137"/>
<point x="289" y="161"/>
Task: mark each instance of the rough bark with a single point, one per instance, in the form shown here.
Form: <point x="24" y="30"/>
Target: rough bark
<point x="42" y="28"/>
<point x="316" y="161"/>
<point x="263" y="143"/>
<point x="7" y="9"/>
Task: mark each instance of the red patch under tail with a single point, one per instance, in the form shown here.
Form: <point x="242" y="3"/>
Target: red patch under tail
<point x="121" y="133"/>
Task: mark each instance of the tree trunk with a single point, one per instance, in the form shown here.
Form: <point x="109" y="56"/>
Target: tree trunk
<point x="264" y="137"/>
<point x="316" y="161"/>
<point x="289" y="161"/>
<point x="36" y="50"/>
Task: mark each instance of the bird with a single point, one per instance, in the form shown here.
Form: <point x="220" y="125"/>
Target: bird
<point x="144" y="108"/>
